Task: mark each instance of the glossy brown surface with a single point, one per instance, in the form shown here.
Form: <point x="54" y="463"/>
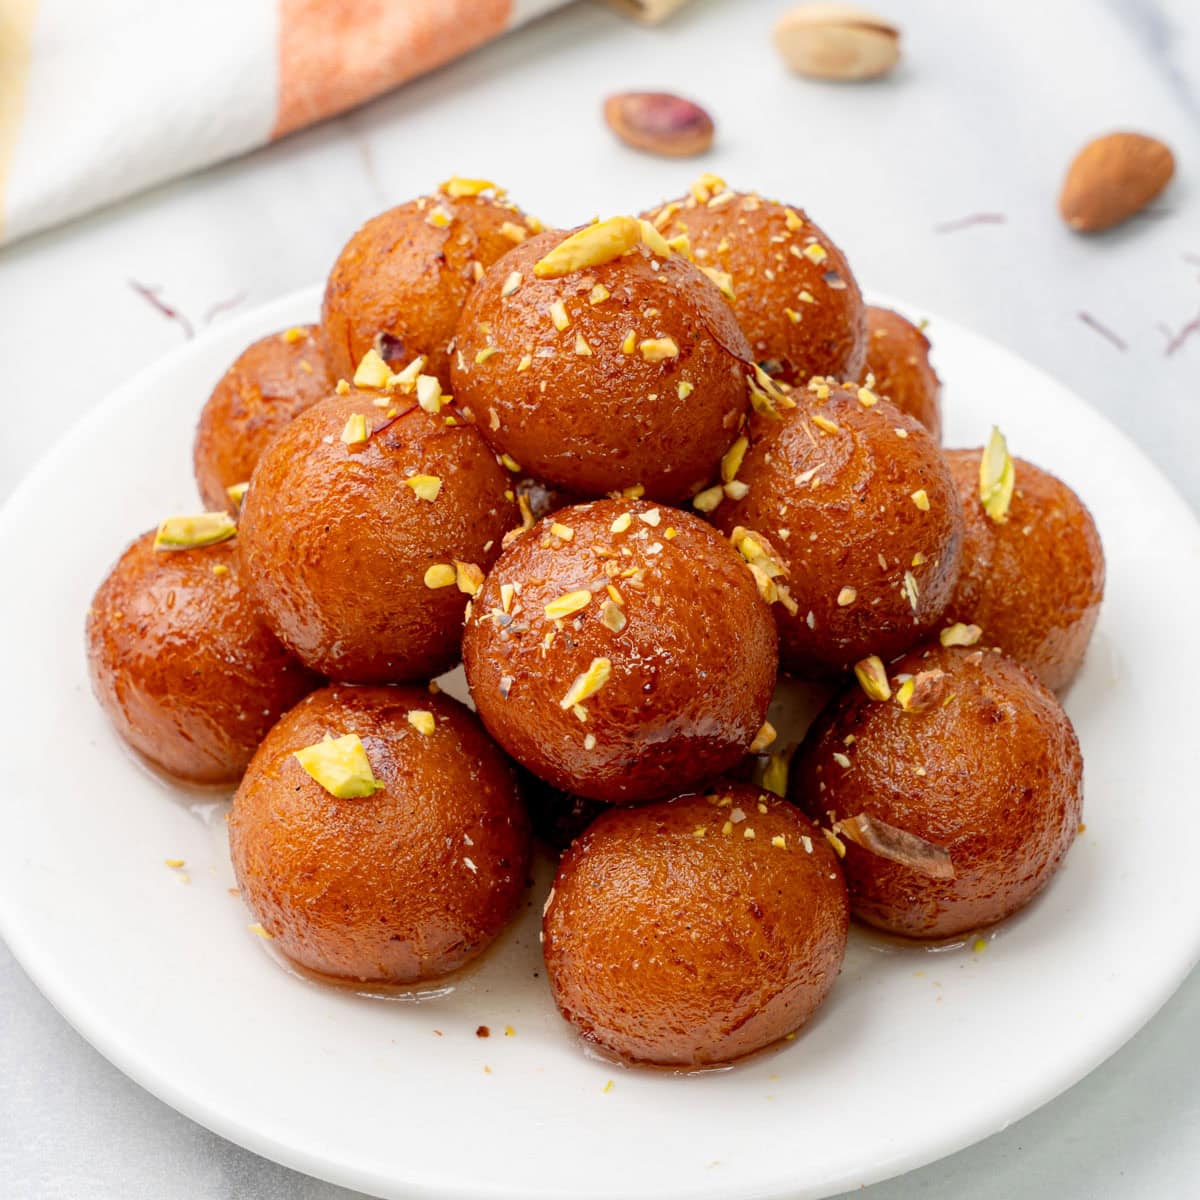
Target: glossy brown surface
<point x="270" y="383"/>
<point x="1034" y="583"/>
<point x="898" y="357"/>
<point x="692" y="668"/>
<point x="400" y="282"/>
<point x="602" y="419"/>
<point x="187" y="673"/>
<point x="335" y="544"/>
<point x="836" y="503"/>
<point x="683" y="933"/>
<point x="1000" y="789"/>
<point x="406" y="884"/>
<point x="557" y="817"/>
<point x="764" y="250"/>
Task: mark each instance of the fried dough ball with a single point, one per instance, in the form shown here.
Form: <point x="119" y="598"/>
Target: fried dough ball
<point x="630" y="372"/>
<point x="270" y="383"/>
<point x="405" y="884"/>
<point x="361" y="556"/>
<point x="1034" y="582"/>
<point x="697" y="930"/>
<point x="898" y="357"/>
<point x="620" y="651"/>
<point x="970" y="796"/>
<point x="399" y="283"/>
<point x="855" y="501"/>
<point x="187" y="673"/>
<point x="794" y="294"/>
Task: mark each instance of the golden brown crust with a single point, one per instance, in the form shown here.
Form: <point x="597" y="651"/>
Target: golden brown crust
<point x="336" y="544"/>
<point x="831" y="486"/>
<point x="407" y="884"/>
<point x="270" y="383"/>
<point x="406" y="276"/>
<point x="898" y="357"/>
<point x="990" y="771"/>
<point x="601" y="414"/>
<point x="670" y="941"/>
<point x="692" y="656"/>
<point x="801" y="312"/>
<point x="182" y="665"/>
<point x="1034" y="583"/>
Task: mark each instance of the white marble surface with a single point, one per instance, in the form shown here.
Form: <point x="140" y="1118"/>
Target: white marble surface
<point x="991" y="101"/>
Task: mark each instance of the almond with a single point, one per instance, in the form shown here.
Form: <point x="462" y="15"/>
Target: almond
<point x="837" y="41"/>
<point x="1112" y="178"/>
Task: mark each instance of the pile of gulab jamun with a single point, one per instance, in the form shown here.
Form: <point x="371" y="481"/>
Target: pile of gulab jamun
<point x="626" y="474"/>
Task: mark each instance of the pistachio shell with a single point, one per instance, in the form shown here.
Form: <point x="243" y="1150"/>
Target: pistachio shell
<point x="659" y="123"/>
<point x="837" y="41"/>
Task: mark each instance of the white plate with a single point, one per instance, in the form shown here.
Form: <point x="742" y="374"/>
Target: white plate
<point x="915" y="1055"/>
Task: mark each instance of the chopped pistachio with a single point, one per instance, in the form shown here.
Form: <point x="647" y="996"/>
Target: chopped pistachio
<point x="439" y="217"/>
<point x="867" y="398"/>
<point x="588" y="683"/>
<point x="996" y="478"/>
<point x="342" y="388"/>
<point x="847" y="596"/>
<point x="190" y="533"/>
<point x="581" y="346"/>
<point x="422" y="721"/>
<point x="792" y="315"/>
<point x="513" y="231"/>
<point x="612" y="616"/>
<point x="511" y="283"/>
<point x="220" y="569"/>
<point x="629" y="345"/>
<point x="921" y="499"/>
<point x="723" y="281"/>
<point x="736" y="489"/>
<point x="426" y="487"/>
<point x="591" y="246"/>
<point x="429" y="393"/>
<point x="598" y="294"/>
<point x="565" y="532"/>
<point x="815" y="252"/>
<point x="406" y="379"/>
<point x="510" y="463"/>
<point x="763" y="738"/>
<point x="685" y="389"/>
<point x="469" y="577"/>
<point x="440" y="575"/>
<point x="621" y="523"/>
<point x="372" y="371"/>
<point x="456" y="186"/>
<point x="567" y="604"/>
<point x="732" y="460"/>
<point x="708" y="499"/>
<point x="657" y="349"/>
<point x="824" y="423"/>
<point x="558" y="314"/>
<point x="959" y="634"/>
<point x="354" y="433"/>
<point x="525" y="363"/>
<point x="707" y="186"/>
<point x="872" y="677"/>
<point x="340" y="766"/>
<point x="911" y="591"/>
<point x="237" y="493"/>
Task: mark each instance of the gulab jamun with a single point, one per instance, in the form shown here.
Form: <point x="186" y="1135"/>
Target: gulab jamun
<point x="617" y="367"/>
<point x="898" y="358"/>
<point x="696" y="930"/>
<point x="404" y="877"/>
<point x="620" y="651"/>
<point x="792" y="290"/>
<point x="856" y="503"/>
<point x="1033" y="581"/>
<point x="363" y="534"/>
<point x="400" y="282"/>
<point x="180" y="661"/>
<point x="955" y="787"/>
<point x="270" y="383"/>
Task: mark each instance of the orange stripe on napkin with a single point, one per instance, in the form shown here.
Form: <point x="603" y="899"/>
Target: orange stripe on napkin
<point x="16" y="39"/>
<point x="334" y="54"/>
